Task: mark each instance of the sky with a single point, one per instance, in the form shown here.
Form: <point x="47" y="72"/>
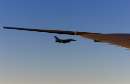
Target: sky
<point x="31" y="57"/>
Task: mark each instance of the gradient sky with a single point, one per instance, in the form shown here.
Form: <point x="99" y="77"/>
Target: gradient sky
<point x="31" y="57"/>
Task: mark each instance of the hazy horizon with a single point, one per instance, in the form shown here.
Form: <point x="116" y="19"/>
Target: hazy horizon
<point x="31" y="57"/>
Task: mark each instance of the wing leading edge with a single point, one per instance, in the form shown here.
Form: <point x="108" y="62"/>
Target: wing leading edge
<point x="117" y="39"/>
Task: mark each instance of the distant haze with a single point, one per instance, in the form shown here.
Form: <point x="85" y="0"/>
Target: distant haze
<point x="31" y="57"/>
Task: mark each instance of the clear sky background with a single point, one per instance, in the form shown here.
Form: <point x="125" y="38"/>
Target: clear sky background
<point x="31" y="57"/>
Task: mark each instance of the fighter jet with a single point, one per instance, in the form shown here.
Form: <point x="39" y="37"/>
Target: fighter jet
<point x="120" y="39"/>
<point x="63" y="40"/>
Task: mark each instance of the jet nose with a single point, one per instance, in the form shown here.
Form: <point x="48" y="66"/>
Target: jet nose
<point x="74" y="40"/>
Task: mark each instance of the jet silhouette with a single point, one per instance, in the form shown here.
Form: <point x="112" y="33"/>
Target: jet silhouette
<point x="63" y="40"/>
<point x="121" y="39"/>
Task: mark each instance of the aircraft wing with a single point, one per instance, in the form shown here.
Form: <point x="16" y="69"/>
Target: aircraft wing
<point x="116" y="39"/>
<point x="42" y="30"/>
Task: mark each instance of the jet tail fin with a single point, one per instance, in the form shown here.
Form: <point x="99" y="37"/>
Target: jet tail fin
<point x="56" y="38"/>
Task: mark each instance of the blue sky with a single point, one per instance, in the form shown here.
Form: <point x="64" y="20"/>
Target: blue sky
<point x="30" y="57"/>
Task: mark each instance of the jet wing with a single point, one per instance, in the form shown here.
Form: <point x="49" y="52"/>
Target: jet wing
<point x="48" y="31"/>
<point x="42" y="30"/>
<point x="116" y="39"/>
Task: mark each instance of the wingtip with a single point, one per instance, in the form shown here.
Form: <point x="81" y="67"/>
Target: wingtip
<point x="4" y="27"/>
<point x="7" y="27"/>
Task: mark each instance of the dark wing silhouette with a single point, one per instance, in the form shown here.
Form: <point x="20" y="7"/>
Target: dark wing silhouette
<point x="42" y="30"/>
<point x="49" y="31"/>
<point x="117" y="39"/>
